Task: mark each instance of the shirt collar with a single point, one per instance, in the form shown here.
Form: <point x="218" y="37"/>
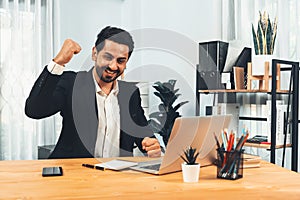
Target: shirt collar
<point x="114" y="91"/>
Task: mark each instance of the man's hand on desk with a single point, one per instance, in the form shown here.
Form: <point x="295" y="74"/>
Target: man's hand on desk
<point x="152" y="146"/>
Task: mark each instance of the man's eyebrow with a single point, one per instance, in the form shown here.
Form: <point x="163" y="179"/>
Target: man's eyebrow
<point x="108" y="54"/>
<point x="119" y="58"/>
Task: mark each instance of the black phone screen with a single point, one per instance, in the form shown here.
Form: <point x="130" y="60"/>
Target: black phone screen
<point x="52" y="171"/>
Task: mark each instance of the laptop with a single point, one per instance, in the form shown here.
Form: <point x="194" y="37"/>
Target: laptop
<point x="197" y="132"/>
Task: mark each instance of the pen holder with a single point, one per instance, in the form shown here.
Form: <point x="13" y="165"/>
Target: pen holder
<point x="230" y="164"/>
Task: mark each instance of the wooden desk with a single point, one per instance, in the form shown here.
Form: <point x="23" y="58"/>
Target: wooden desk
<point x="23" y="180"/>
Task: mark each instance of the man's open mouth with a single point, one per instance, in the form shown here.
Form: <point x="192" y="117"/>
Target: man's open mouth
<point x="111" y="72"/>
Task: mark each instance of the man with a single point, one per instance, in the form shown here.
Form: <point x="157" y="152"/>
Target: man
<point x="102" y="117"/>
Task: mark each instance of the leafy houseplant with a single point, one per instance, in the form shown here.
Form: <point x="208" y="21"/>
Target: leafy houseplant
<point x="163" y="120"/>
<point x="190" y="156"/>
<point x="264" y="37"/>
<point x="190" y="169"/>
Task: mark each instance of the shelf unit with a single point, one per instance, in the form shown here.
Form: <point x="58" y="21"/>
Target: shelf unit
<point x="293" y="92"/>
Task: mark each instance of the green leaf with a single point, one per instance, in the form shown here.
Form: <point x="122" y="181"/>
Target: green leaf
<point x="158" y="83"/>
<point x="260" y="36"/>
<point x="168" y="86"/>
<point x="179" y="105"/>
<point x="172" y="82"/>
<point x="162" y="98"/>
<point x="269" y="34"/>
<point x="183" y="158"/>
<point x="273" y="42"/>
<point x="175" y="91"/>
<point x="274" y="32"/>
<point x="173" y="99"/>
<point x="160" y="88"/>
<point x="190" y="155"/>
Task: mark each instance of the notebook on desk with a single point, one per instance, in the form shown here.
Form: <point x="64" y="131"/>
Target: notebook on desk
<point x="197" y="132"/>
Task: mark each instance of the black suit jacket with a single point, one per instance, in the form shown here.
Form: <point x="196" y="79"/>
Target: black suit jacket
<point x="73" y="95"/>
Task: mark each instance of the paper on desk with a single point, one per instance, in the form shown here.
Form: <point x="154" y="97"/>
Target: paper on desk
<point x="117" y="164"/>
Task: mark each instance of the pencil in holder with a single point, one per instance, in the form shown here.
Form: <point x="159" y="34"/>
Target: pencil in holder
<point x="230" y="164"/>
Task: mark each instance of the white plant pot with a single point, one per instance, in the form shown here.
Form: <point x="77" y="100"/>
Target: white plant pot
<point x="190" y="173"/>
<point x="258" y="64"/>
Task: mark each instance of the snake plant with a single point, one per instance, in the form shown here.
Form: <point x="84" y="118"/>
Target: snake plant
<point x="265" y="36"/>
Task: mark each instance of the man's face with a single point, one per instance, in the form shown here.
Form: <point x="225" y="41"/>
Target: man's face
<point x="111" y="61"/>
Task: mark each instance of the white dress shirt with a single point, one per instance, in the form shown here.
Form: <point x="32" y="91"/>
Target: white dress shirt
<point x="108" y="135"/>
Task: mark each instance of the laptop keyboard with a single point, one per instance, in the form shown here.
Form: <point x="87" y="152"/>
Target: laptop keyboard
<point x="153" y="167"/>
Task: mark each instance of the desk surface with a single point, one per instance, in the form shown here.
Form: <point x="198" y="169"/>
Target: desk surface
<point x="23" y="180"/>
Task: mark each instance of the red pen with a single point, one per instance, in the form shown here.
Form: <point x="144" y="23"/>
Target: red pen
<point x="230" y="142"/>
<point x="229" y="147"/>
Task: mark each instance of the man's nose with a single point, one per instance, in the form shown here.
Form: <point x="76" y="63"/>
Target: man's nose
<point x="113" y="65"/>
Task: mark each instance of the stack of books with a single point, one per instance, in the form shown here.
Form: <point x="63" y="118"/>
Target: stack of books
<point x="251" y="161"/>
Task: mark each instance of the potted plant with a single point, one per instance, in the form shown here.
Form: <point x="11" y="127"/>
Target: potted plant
<point x="190" y="168"/>
<point x="263" y="41"/>
<point x="163" y="120"/>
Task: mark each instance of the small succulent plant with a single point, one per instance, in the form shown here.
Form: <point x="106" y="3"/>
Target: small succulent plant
<point x="190" y="156"/>
<point x="264" y="37"/>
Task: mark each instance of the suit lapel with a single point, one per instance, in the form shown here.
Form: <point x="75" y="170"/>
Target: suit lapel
<point x="85" y="109"/>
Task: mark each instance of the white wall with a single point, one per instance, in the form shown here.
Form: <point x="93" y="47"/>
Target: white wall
<point x="167" y="34"/>
<point x="82" y="21"/>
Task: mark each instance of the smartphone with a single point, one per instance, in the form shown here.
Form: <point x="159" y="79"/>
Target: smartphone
<point x="52" y="171"/>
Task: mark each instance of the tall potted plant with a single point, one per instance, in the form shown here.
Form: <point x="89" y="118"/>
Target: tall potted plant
<point x="163" y="120"/>
<point x="263" y="41"/>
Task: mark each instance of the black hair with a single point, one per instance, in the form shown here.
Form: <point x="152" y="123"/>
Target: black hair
<point x="114" y="34"/>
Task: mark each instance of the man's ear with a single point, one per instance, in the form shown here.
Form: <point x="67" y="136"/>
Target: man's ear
<point x="94" y="54"/>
